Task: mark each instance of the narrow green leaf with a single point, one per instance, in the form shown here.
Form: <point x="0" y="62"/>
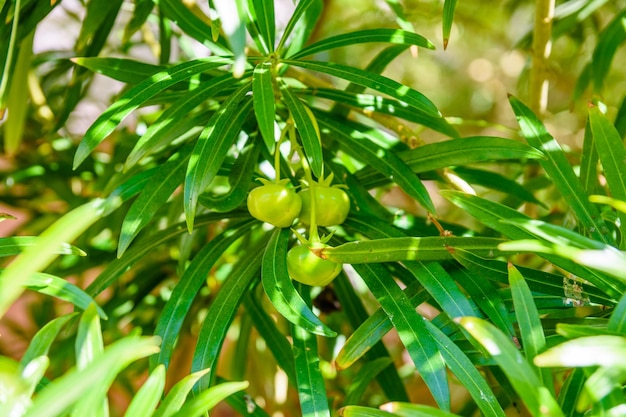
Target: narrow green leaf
<point x="33" y="373"/>
<point x="529" y="322"/>
<point x="388" y="379"/>
<point x="176" y="118"/>
<point x="363" y="378"/>
<point x="89" y="346"/>
<point x="457" y="152"/>
<point x="359" y="145"/>
<point x="497" y="182"/>
<point x="589" y="163"/>
<point x="613" y="35"/>
<point x="401" y="17"/>
<point x="177" y="307"/>
<point x="612" y="155"/>
<point x="311" y="387"/>
<point x="43" y="339"/>
<point x="120" y="69"/>
<point x="221" y="314"/>
<point x="432" y="276"/>
<point x="148" y="243"/>
<point x="17" y="101"/>
<point x="412" y="331"/>
<point x="204" y="401"/>
<point x="280" y="289"/>
<point x="361" y="411"/>
<point x="133" y="98"/>
<point x="559" y="170"/>
<point x="98" y="11"/>
<point x="604" y="350"/>
<point x="146" y="399"/>
<point x="375" y="81"/>
<point x="370" y="102"/>
<point x="37" y="257"/>
<point x="500" y="218"/>
<point x="57" y="397"/>
<point x="263" y="14"/>
<point x="232" y="19"/>
<point x="156" y="192"/>
<point x="141" y="13"/>
<point x="306" y="124"/>
<point x="372" y="330"/>
<point x="448" y="18"/>
<point x="415" y="410"/>
<point x="212" y="147"/>
<point x="239" y="179"/>
<point x="617" y="322"/>
<point x="382" y="35"/>
<point x="192" y="25"/>
<point x="14" y="245"/>
<point x="462" y="367"/>
<point x="484" y="293"/>
<point x="518" y="371"/>
<point x="264" y="101"/>
<point x="276" y="341"/>
<point x="428" y="248"/>
<point x="301" y="7"/>
<point x="177" y="396"/>
<point x="571" y="391"/>
<point x="61" y="289"/>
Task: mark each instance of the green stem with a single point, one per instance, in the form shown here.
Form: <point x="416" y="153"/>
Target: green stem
<point x="313" y="235"/>
<point x="542" y="46"/>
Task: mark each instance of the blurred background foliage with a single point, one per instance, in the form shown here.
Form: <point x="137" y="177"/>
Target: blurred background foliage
<point x="487" y="57"/>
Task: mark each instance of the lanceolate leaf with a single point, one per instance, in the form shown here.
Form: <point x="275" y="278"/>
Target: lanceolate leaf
<point x="518" y="371"/>
<point x="396" y="36"/>
<point x="280" y="289"/>
<point x="463" y="368"/>
<point x="457" y="152"/>
<point x="177" y="116"/>
<point x="221" y="314"/>
<point x="144" y="245"/>
<point x="121" y="69"/>
<point x="43" y="339"/>
<point x="175" y="311"/>
<point x="428" y="248"/>
<point x="531" y="331"/>
<point x="307" y="127"/>
<point x="264" y="104"/>
<point x="156" y="192"/>
<point x="14" y="245"/>
<point x="204" y="401"/>
<point x="560" y="171"/>
<point x="363" y="378"/>
<point x="618" y="318"/>
<point x="382" y="84"/>
<point x="192" y="25"/>
<point x="359" y="145"/>
<point x="311" y="387"/>
<point x="57" y="397"/>
<point x="448" y="17"/>
<point x="177" y="396"/>
<point x="135" y="97"/>
<point x="370" y="102"/>
<point x="263" y="13"/>
<point x="212" y="148"/>
<point x="411" y="328"/>
<point x="301" y="8"/>
<point x="61" y="289"/>
<point x="609" y="41"/>
<point x="149" y="395"/>
<point x="612" y="155"/>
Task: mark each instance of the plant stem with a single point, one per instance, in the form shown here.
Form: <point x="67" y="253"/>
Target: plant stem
<point x="541" y="49"/>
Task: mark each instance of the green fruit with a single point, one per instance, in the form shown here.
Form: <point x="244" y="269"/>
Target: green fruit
<point x="306" y="267"/>
<point x="274" y="203"/>
<point x="331" y="203"/>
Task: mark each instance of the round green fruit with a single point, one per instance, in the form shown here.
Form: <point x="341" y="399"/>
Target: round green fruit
<point x="306" y="267"/>
<point x="274" y="203"/>
<point x="332" y="205"/>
